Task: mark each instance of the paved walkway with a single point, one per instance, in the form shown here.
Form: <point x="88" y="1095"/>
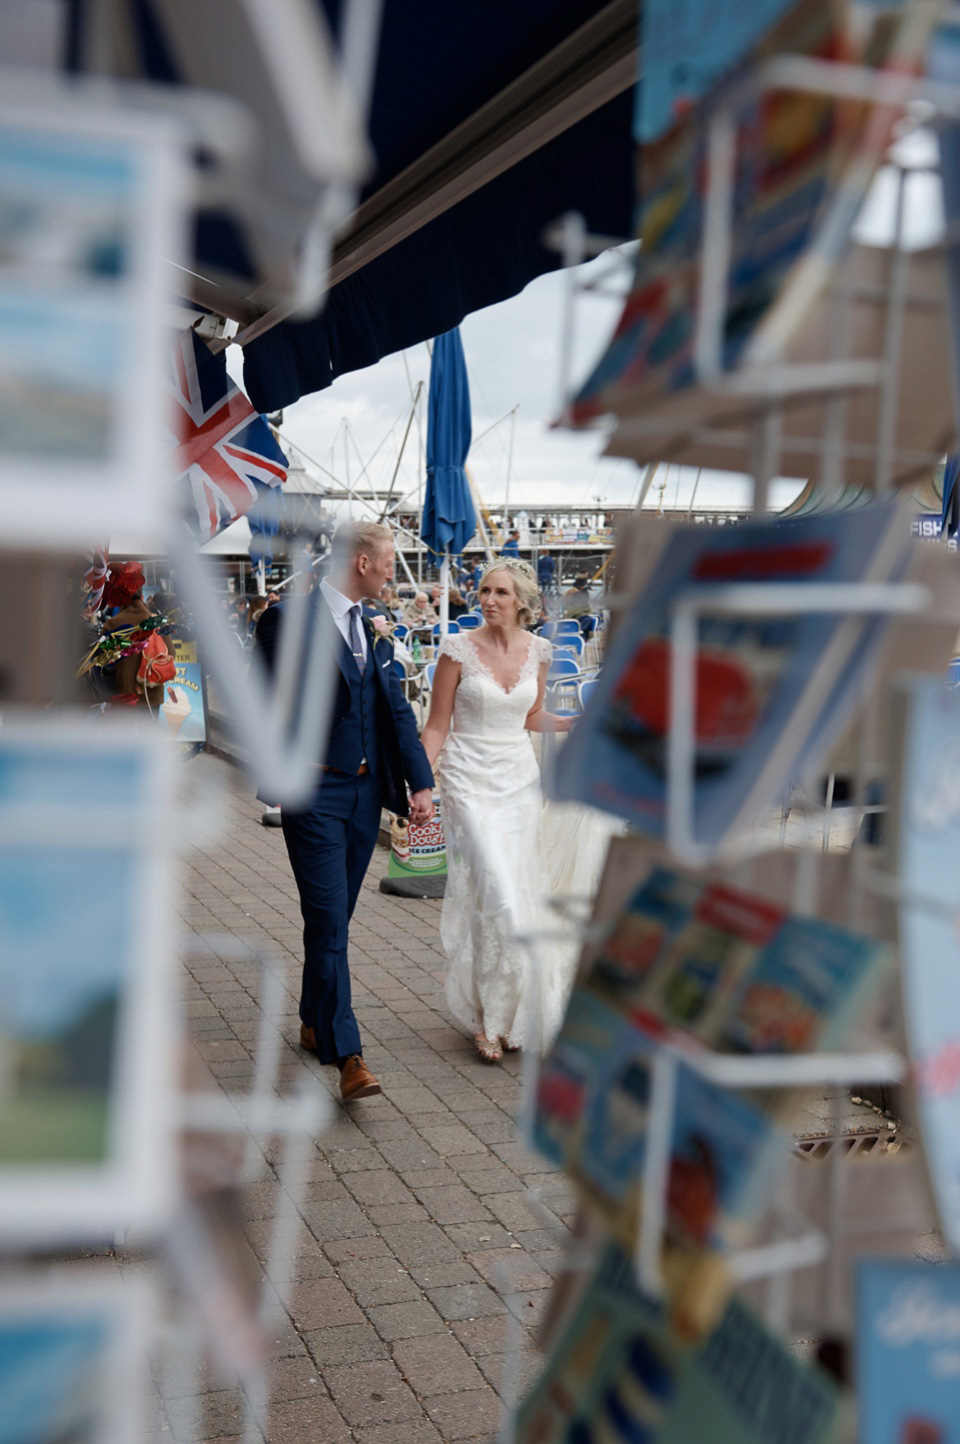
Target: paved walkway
<point x="416" y="1214"/>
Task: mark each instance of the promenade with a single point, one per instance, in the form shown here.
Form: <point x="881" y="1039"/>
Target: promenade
<point x="417" y="1236"/>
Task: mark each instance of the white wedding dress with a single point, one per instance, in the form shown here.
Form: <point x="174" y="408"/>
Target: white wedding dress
<point x="506" y="854"/>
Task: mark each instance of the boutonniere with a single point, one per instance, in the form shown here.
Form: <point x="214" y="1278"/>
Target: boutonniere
<point x="379" y="629"/>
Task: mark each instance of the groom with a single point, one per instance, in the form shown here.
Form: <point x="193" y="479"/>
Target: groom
<point x="373" y="747"/>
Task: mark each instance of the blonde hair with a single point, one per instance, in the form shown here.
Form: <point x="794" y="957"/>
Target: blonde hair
<point x="524" y="584"/>
<point x="359" y="538"/>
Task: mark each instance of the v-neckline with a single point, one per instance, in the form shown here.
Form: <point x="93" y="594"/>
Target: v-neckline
<point x="521" y="675"/>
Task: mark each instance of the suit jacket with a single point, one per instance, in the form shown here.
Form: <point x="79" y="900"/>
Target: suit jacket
<point x="400" y="755"/>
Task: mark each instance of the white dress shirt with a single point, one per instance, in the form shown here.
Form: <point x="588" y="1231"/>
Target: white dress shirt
<point x="340" y="609"/>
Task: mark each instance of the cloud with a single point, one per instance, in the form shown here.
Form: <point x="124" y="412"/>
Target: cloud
<point x="354" y="430"/>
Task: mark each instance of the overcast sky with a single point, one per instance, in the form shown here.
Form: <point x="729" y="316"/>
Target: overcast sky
<point x="512" y="352"/>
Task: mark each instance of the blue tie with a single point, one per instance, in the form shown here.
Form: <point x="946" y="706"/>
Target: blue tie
<point x="356" y="645"/>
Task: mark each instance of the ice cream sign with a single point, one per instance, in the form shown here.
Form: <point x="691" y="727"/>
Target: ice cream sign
<point x="182" y="714"/>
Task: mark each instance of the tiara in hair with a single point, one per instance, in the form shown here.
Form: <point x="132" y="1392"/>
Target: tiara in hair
<point x="513" y="564"/>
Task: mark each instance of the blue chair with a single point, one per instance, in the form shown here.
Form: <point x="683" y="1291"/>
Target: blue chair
<point x="585" y="689"/>
<point x="564" y="626"/>
<point x="401" y="631"/>
<point x="562" y="682"/>
<point x="468" y="621"/>
<point x="428" y="673"/>
<point x="452" y="627"/>
<point x="568" y="642"/>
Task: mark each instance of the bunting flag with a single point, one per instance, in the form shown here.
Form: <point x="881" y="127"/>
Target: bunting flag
<point x="225" y="454"/>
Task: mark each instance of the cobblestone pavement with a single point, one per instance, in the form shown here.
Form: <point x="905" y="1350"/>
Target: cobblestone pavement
<point x="422" y="1258"/>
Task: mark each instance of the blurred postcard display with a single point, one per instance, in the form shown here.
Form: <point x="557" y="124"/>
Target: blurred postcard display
<point x="85" y="1003"/>
<point x="770" y="690"/>
<point x="927" y="841"/>
<point x="620" y="1372"/>
<point x="89" y="221"/>
<point x="908" y="1352"/>
<point x="72" y="1360"/>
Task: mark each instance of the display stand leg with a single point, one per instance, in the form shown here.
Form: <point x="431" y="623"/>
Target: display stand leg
<point x="893" y="336"/>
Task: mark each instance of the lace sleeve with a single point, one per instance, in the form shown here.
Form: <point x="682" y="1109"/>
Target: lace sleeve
<point x="542" y="650"/>
<point x="451" y="647"/>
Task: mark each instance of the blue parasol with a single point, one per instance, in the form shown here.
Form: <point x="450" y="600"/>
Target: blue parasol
<point x="449" y="518"/>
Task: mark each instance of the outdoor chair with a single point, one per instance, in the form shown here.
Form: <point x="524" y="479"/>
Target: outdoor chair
<point x="562" y="682"/>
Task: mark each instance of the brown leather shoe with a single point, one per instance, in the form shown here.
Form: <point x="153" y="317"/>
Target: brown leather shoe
<point x="356" y="1080"/>
<point x="308" y="1038"/>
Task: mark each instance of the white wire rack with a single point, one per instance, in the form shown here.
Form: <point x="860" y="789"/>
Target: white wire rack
<point x="766" y="383"/>
<point x="253" y="1117"/>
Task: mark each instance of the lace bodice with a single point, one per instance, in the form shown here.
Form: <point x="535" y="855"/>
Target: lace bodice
<point x="481" y="706"/>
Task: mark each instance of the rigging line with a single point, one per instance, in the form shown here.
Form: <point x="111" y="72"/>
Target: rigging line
<point x="475" y="381"/>
<point x="387" y="435"/>
<point x="487" y="430"/>
<point x="406" y="367"/>
<point x="307" y="457"/>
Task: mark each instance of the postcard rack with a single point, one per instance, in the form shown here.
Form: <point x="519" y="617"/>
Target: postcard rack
<point x="767" y="383"/>
<point x="231" y="1334"/>
<point x="790" y="1242"/>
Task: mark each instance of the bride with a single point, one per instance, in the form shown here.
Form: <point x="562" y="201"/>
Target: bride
<point x="490" y="685"/>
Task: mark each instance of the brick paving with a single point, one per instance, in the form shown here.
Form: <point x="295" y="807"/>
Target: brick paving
<point x="421" y="1259"/>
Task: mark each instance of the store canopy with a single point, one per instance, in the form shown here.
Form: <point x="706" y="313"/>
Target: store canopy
<point x="489" y="120"/>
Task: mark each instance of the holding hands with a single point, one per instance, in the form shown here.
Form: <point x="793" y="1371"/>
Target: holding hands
<point x="421" y="806"/>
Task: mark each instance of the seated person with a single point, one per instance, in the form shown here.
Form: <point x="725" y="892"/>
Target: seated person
<point x="458" y="606"/>
<point x="419" y="612"/>
<point x="577" y="603"/>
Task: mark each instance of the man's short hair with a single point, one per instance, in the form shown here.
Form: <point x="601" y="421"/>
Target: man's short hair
<point x="359" y="538"/>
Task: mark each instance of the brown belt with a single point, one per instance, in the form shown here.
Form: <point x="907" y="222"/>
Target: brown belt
<point x="361" y="771"/>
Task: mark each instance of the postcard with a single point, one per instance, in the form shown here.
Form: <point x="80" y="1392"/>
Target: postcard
<point x="90" y="199"/>
<point x="908" y="1352"/>
<point x="927" y="810"/>
<point x="87" y="1006"/>
<point x="592" y="1114"/>
<point x="771" y="692"/>
<point x="73" y="1359"/>
<point x="619" y="1372"/>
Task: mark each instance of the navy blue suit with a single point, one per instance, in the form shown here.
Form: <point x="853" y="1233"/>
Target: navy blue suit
<point x="331" y="840"/>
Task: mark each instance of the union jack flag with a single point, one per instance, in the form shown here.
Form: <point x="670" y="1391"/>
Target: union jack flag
<point x="224" y="452"/>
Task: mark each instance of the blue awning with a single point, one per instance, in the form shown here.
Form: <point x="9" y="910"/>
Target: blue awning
<point x="456" y="86"/>
<point x="481" y="251"/>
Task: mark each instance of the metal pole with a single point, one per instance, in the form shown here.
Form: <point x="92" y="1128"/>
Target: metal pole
<point x="646" y="481"/>
<point x="766" y="458"/>
<point x="693" y="494"/>
<point x="445" y="595"/>
<point x="573" y="248"/>
<point x="393" y="479"/>
<point x="893" y="336"/>
<point x="506" y="494"/>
